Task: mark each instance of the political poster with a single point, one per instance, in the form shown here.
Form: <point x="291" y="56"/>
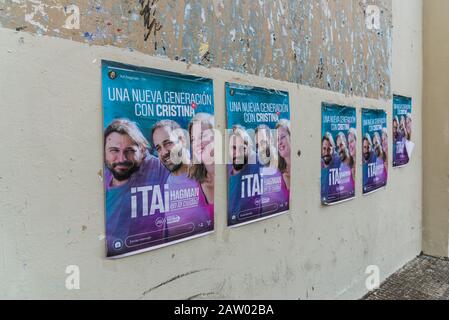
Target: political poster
<point x="258" y="131"/>
<point x="338" y="153"/>
<point x="158" y="157"/>
<point x="402" y="130"/>
<point x="374" y="150"/>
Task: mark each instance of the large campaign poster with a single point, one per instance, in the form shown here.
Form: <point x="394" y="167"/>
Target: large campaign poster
<point x="402" y="130"/>
<point x="158" y="157"/>
<point x="338" y="153"/>
<point x="374" y="149"/>
<point x="258" y="132"/>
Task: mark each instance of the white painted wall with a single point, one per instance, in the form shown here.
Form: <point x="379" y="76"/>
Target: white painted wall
<point x="51" y="193"/>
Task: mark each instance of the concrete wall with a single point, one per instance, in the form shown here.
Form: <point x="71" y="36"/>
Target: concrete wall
<point x="51" y="204"/>
<point x="329" y="44"/>
<point x="436" y="128"/>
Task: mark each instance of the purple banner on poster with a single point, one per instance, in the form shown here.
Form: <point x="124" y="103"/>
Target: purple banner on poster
<point x="374" y="149"/>
<point x="402" y="130"/>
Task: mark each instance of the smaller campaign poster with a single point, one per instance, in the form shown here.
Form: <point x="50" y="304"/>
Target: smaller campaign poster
<point x="374" y="149"/>
<point x="159" y="164"/>
<point x="402" y="130"/>
<point x="258" y="132"/>
<point x="338" y="153"/>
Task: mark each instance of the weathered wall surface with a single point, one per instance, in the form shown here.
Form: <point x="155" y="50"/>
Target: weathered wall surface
<point x="436" y="128"/>
<point x="325" y="44"/>
<point x="51" y="203"/>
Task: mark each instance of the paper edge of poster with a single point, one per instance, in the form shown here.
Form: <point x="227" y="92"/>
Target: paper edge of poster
<point x="258" y="219"/>
<point x="263" y="88"/>
<point x="401" y="166"/>
<point x="338" y="202"/>
<point x="125" y="66"/>
<point x="376" y="190"/>
<point x="159" y="246"/>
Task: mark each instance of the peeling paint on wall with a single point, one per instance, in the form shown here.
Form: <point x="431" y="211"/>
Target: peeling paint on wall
<point x="331" y="44"/>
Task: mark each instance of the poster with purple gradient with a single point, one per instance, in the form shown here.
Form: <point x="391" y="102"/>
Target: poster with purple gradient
<point x="402" y="130"/>
<point x="374" y="149"/>
<point x="258" y="130"/>
<point x="338" y="153"/>
<point x="158" y="158"/>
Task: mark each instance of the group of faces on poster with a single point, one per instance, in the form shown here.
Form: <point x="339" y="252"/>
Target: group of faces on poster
<point x="181" y="159"/>
<point x="127" y="151"/>
<point x="259" y="172"/>
<point x="160" y="173"/>
<point x="341" y="152"/>
<point x="268" y="149"/>
<point x="375" y="148"/>
<point x="402" y="127"/>
<point x="190" y="155"/>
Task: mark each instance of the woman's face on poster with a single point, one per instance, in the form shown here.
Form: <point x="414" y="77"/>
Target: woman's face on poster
<point x="284" y="142"/>
<point x="395" y="129"/>
<point x="202" y="142"/>
<point x="377" y="145"/>
<point x="375" y="140"/>
<point x="384" y="142"/>
<point x="408" y="125"/>
<point x="342" y="147"/>
<point x="352" y="144"/>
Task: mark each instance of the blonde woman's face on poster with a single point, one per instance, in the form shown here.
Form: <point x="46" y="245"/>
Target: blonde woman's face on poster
<point x="284" y="143"/>
<point x="352" y="144"/>
<point x="202" y="142"/>
<point x="384" y="142"/>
